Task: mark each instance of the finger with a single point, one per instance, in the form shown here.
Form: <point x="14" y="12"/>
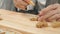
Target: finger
<point x="22" y="2"/>
<point x="49" y="8"/>
<point x="40" y="19"/>
<point x="58" y="20"/>
<point x="49" y="14"/>
<point x="27" y="1"/>
<point x="17" y="5"/>
<point x="54" y="17"/>
<point x="20" y="6"/>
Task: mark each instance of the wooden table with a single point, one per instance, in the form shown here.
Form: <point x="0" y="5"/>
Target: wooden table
<point x="22" y="23"/>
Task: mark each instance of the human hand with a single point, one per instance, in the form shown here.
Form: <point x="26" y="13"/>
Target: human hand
<point x="50" y="13"/>
<point x="22" y="4"/>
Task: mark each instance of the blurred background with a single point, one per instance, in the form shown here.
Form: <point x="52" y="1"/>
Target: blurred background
<point x="9" y="5"/>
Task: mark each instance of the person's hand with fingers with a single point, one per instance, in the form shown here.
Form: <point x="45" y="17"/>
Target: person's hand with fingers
<point x="50" y="13"/>
<point x="22" y="4"/>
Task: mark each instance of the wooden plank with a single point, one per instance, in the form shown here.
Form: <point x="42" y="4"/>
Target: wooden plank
<point x="21" y="22"/>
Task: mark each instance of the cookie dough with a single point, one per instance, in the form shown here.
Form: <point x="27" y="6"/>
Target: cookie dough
<point x="34" y="19"/>
<point x="41" y="24"/>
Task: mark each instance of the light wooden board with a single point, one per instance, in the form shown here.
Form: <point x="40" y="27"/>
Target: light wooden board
<point x="21" y="22"/>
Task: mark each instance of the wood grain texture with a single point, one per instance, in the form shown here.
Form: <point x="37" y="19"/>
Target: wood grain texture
<point x="21" y="22"/>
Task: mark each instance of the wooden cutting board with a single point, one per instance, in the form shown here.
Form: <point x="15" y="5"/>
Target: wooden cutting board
<point x="21" y="22"/>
